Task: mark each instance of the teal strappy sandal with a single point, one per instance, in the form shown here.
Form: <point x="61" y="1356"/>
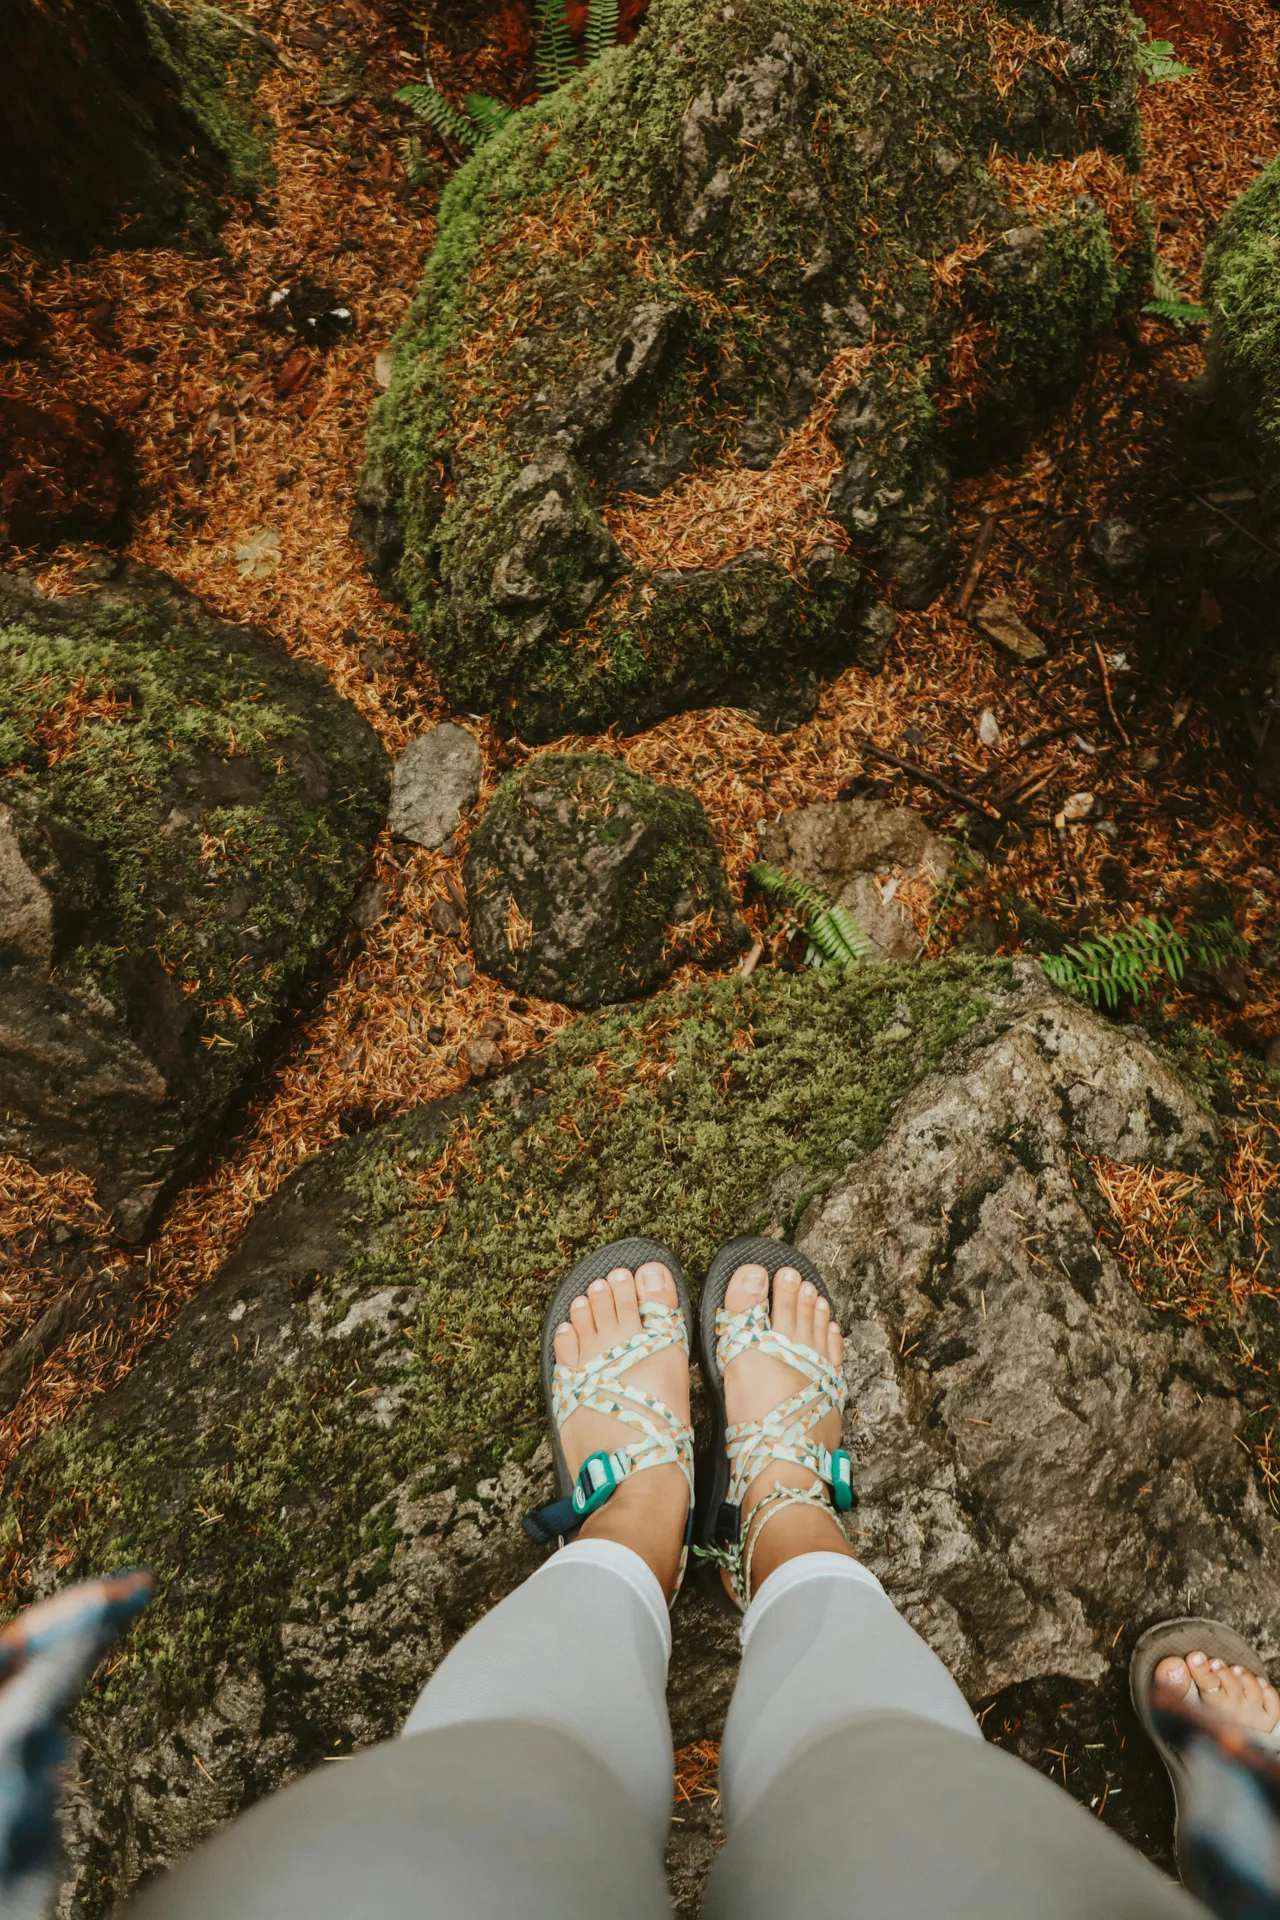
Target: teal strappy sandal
<point x="664" y="1440"/>
<point x="785" y="1434"/>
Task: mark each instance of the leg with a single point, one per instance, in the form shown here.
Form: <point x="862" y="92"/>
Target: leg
<point x="534" y="1775"/>
<point x="855" y="1779"/>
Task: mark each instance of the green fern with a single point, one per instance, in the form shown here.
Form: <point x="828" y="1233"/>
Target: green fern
<point x="1156" y="59"/>
<point x="430" y="104"/>
<point x="1168" y="301"/>
<point x="834" y="934"/>
<point x="556" y="60"/>
<point x="1130" y="964"/>
<point x="601" y="29"/>
<point x="488" y="114"/>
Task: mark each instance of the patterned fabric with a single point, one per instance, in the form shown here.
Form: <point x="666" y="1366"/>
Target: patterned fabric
<point x="1229" y="1813"/>
<point x="46" y="1654"/>
<point x="785" y="1434"/>
<point x="664" y="1439"/>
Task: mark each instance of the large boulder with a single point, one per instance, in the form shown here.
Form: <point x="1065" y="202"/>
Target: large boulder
<point x="674" y="378"/>
<point x="589" y="883"/>
<point x="326" y="1458"/>
<point x="184" y="815"/>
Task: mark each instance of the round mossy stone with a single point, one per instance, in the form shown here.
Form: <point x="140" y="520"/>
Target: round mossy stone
<point x="589" y="883"/>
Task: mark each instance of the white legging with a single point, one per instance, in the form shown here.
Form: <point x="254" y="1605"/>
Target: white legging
<point x="584" y="1645"/>
<point x="534" y="1778"/>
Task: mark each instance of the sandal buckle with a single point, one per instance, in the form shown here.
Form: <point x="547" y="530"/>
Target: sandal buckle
<point x="598" y="1477"/>
<point x="842" y="1493"/>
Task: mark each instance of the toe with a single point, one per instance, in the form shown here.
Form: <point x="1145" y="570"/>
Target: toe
<point x="1221" y="1689"/>
<point x="1270" y="1703"/>
<point x="1171" y="1676"/>
<point x="626" y="1305"/>
<point x="1250" y="1689"/>
<point x="603" y="1311"/>
<point x="821" y="1324"/>
<point x="786" y="1301"/>
<point x="835" y="1347"/>
<point x="580" y="1319"/>
<point x="566" y="1345"/>
<point x="747" y="1287"/>
<point x="655" y="1283"/>
<point x="806" y="1304"/>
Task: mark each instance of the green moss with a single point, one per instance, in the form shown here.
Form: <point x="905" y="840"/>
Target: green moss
<point x="1242" y="290"/>
<point x="582" y="210"/>
<point x="218" y="68"/>
<point x="254" y="1486"/>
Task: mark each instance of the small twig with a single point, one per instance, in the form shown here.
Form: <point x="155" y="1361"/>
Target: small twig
<point x="750" y="961"/>
<point x="1106" y="689"/>
<point x="977" y="561"/>
<point x="1272" y="552"/>
<point x="927" y="779"/>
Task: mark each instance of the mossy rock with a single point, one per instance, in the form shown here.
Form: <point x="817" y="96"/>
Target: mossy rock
<point x="1242" y="290"/>
<point x="184" y="815"/>
<point x="326" y="1458"/>
<point x="669" y="392"/>
<point x="589" y="883"/>
<point x="127" y="123"/>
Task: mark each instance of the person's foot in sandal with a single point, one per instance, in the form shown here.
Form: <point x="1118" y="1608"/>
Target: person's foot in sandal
<point x="754" y="1385"/>
<point x="1228" y="1694"/>
<point x="648" y="1510"/>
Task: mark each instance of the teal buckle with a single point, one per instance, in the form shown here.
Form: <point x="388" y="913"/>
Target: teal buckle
<point x="842" y="1480"/>
<point x="599" y="1476"/>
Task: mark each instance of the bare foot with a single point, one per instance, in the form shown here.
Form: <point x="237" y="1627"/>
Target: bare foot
<point x="1228" y="1693"/>
<point x="756" y="1383"/>
<point x="649" y="1509"/>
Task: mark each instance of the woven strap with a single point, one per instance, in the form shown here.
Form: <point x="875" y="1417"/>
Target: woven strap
<point x="785" y="1433"/>
<point x="664" y="1439"/>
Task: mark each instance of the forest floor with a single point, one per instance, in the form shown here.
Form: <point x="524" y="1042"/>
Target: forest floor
<point x="249" y="450"/>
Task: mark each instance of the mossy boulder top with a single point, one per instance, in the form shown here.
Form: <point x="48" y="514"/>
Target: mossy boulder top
<point x="184" y="814"/>
<point x="326" y="1459"/>
<point x="1242" y="287"/>
<point x="589" y="883"/>
<point x="671" y="383"/>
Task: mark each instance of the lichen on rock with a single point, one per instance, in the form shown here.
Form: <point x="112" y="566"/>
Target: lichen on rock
<point x="674" y="384"/>
<point x="184" y="815"/>
<point x="588" y="882"/>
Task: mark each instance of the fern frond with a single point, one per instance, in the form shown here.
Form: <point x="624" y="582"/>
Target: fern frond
<point x="430" y="104"/>
<point x="1158" y="62"/>
<point x="1130" y="963"/>
<point x="489" y="115"/>
<point x="556" y="61"/>
<point x="834" y="933"/>
<point x="602" y="27"/>
<point x="1184" y="313"/>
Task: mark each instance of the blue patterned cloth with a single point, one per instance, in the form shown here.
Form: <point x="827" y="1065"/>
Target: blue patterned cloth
<point x="46" y="1654"/>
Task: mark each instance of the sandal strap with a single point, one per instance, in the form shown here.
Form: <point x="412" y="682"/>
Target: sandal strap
<point x="785" y="1433"/>
<point x="737" y="1557"/>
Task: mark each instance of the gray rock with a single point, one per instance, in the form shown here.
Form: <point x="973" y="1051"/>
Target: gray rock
<point x="588" y="883"/>
<point x="436" y="781"/>
<point x="1119" y="549"/>
<point x="854" y="851"/>
<point x="1001" y="622"/>
<point x="327" y="1456"/>
<point x="168" y="876"/>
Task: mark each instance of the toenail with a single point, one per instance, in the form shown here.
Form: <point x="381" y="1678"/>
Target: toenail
<point x="652" y="1279"/>
<point x="756" y="1282"/>
<point x="1215" y="1666"/>
<point x="1197" y="1659"/>
<point x="564" y="1327"/>
<point x="808" y="1291"/>
<point x="581" y="1300"/>
<point x="1176" y="1670"/>
<point x="1237" y="1669"/>
<point x="599" y="1286"/>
